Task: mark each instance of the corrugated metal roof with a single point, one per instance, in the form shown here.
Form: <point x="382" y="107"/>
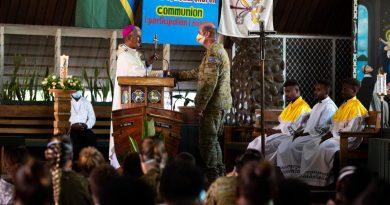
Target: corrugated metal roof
<point x="38" y="12"/>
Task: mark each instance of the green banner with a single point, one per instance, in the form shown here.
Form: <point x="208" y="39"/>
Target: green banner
<point x="103" y="14"/>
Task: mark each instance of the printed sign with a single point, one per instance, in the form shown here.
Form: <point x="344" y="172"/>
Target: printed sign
<point x="176" y="21"/>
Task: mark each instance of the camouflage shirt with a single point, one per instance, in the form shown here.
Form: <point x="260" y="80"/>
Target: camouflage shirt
<point x="213" y="74"/>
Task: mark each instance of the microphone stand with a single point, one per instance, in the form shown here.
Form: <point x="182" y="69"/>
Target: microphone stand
<point x="155" y="40"/>
<point x="262" y="35"/>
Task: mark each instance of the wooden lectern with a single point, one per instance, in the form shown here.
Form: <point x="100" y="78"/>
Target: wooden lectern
<point x="141" y="98"/>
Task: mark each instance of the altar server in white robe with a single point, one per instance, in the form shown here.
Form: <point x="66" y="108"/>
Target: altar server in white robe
<point x="318" y="154"/>
<point x="292" y="119"/>
<point x="319" y="123"/>
<point x="129" y="63"/>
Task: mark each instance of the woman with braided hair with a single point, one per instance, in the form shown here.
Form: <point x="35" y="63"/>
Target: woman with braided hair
<point x="68" y="187"/>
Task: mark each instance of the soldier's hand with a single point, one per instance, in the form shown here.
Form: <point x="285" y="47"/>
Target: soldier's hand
<point x="200" y="112"/>
<point x="173" y="73"/>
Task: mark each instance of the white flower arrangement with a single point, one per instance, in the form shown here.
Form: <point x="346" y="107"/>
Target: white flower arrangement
<point x="71" y="83"/>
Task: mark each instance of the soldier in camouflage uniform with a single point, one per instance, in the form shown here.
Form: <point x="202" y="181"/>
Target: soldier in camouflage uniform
<point x="213" y="98"/>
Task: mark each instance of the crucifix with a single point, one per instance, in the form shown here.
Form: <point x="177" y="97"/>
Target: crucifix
<point x="262" y="35"/>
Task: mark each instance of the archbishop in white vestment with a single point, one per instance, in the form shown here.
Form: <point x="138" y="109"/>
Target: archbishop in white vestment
<point x="129" y="63"/>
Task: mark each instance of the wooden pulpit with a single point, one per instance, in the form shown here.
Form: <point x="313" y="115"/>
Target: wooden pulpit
<point x="143" y="98"/>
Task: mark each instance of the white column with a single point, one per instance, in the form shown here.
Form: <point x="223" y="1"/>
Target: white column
<point x="57" y="52"/>
<point x="112" y="63"/>
<point x="166" y="56"/>
<point x="1" y="58"/>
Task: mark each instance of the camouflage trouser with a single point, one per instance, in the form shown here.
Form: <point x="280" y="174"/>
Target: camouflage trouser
<point x="211" y="126"/>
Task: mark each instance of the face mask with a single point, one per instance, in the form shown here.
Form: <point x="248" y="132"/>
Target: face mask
<point x="77" y="94"/>
<point x="200" y="38"/>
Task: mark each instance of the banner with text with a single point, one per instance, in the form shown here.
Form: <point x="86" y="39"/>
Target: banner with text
<point x="176" y="21"/>
<point x="240" y="16"/>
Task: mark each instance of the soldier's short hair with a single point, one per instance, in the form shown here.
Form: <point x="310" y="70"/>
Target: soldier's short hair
<point x="290" y="82"/>
<point x="209" y="27"/>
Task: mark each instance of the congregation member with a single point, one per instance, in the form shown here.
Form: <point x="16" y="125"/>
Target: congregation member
<point x="32" y="184"/>
<point x="126" y="190"/>
<point x="129" y="63"/>
<point x="213" y="98"/>
<point x="223" y="190"/>
<point x="350" y="184"/>
<point x="256" y="184"/>
<point x="132" y="165"/>
<point x="68" y="187"/>
<point x="292" y="120"/>
<point x="318" y="154"/>
<point x="82" y="119"/>
<point x="154" y="153"/>
<point x="376" y="193"/>
<point x="292" y="191"/>
<point x="13" y="159"/>
<point x="99" y="178"/>
<point x="289" y="152"/>
<point x="185" y="157"/>
<point x="89" y="159"/>
<point x="182" y="184"/>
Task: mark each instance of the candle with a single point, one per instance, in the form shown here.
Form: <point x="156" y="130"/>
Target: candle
<point x="64" y="59"/>
<point x="381" y="83"/>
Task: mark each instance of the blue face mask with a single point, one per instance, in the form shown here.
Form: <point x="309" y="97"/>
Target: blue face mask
<point x="77" y="94"/>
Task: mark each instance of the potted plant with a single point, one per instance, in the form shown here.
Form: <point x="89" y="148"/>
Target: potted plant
<point x="185" y="98"/>
<point x="62" y="88"/>
<point x="189" y="112"/>
<point x="53" y="83"/>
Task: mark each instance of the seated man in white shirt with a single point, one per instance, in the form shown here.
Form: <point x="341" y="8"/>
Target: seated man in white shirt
<point x="82" y="119"/>
<point x="319" y="123"/>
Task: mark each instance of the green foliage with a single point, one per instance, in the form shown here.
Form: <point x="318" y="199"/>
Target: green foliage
<point x="47" y="96"/>
<point x="25" y="84"/>
<point x="5" y="92"/>
<point x="109" y="79"/>
<point x="32" y="86"/>
<point x="92" y="82"/>
<point x="133" y="145"/>
<point x="105" y="89"/>
<point x="95" y="88"/>
<point x="180" y="96"/>
<point x="11" y="90"/>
